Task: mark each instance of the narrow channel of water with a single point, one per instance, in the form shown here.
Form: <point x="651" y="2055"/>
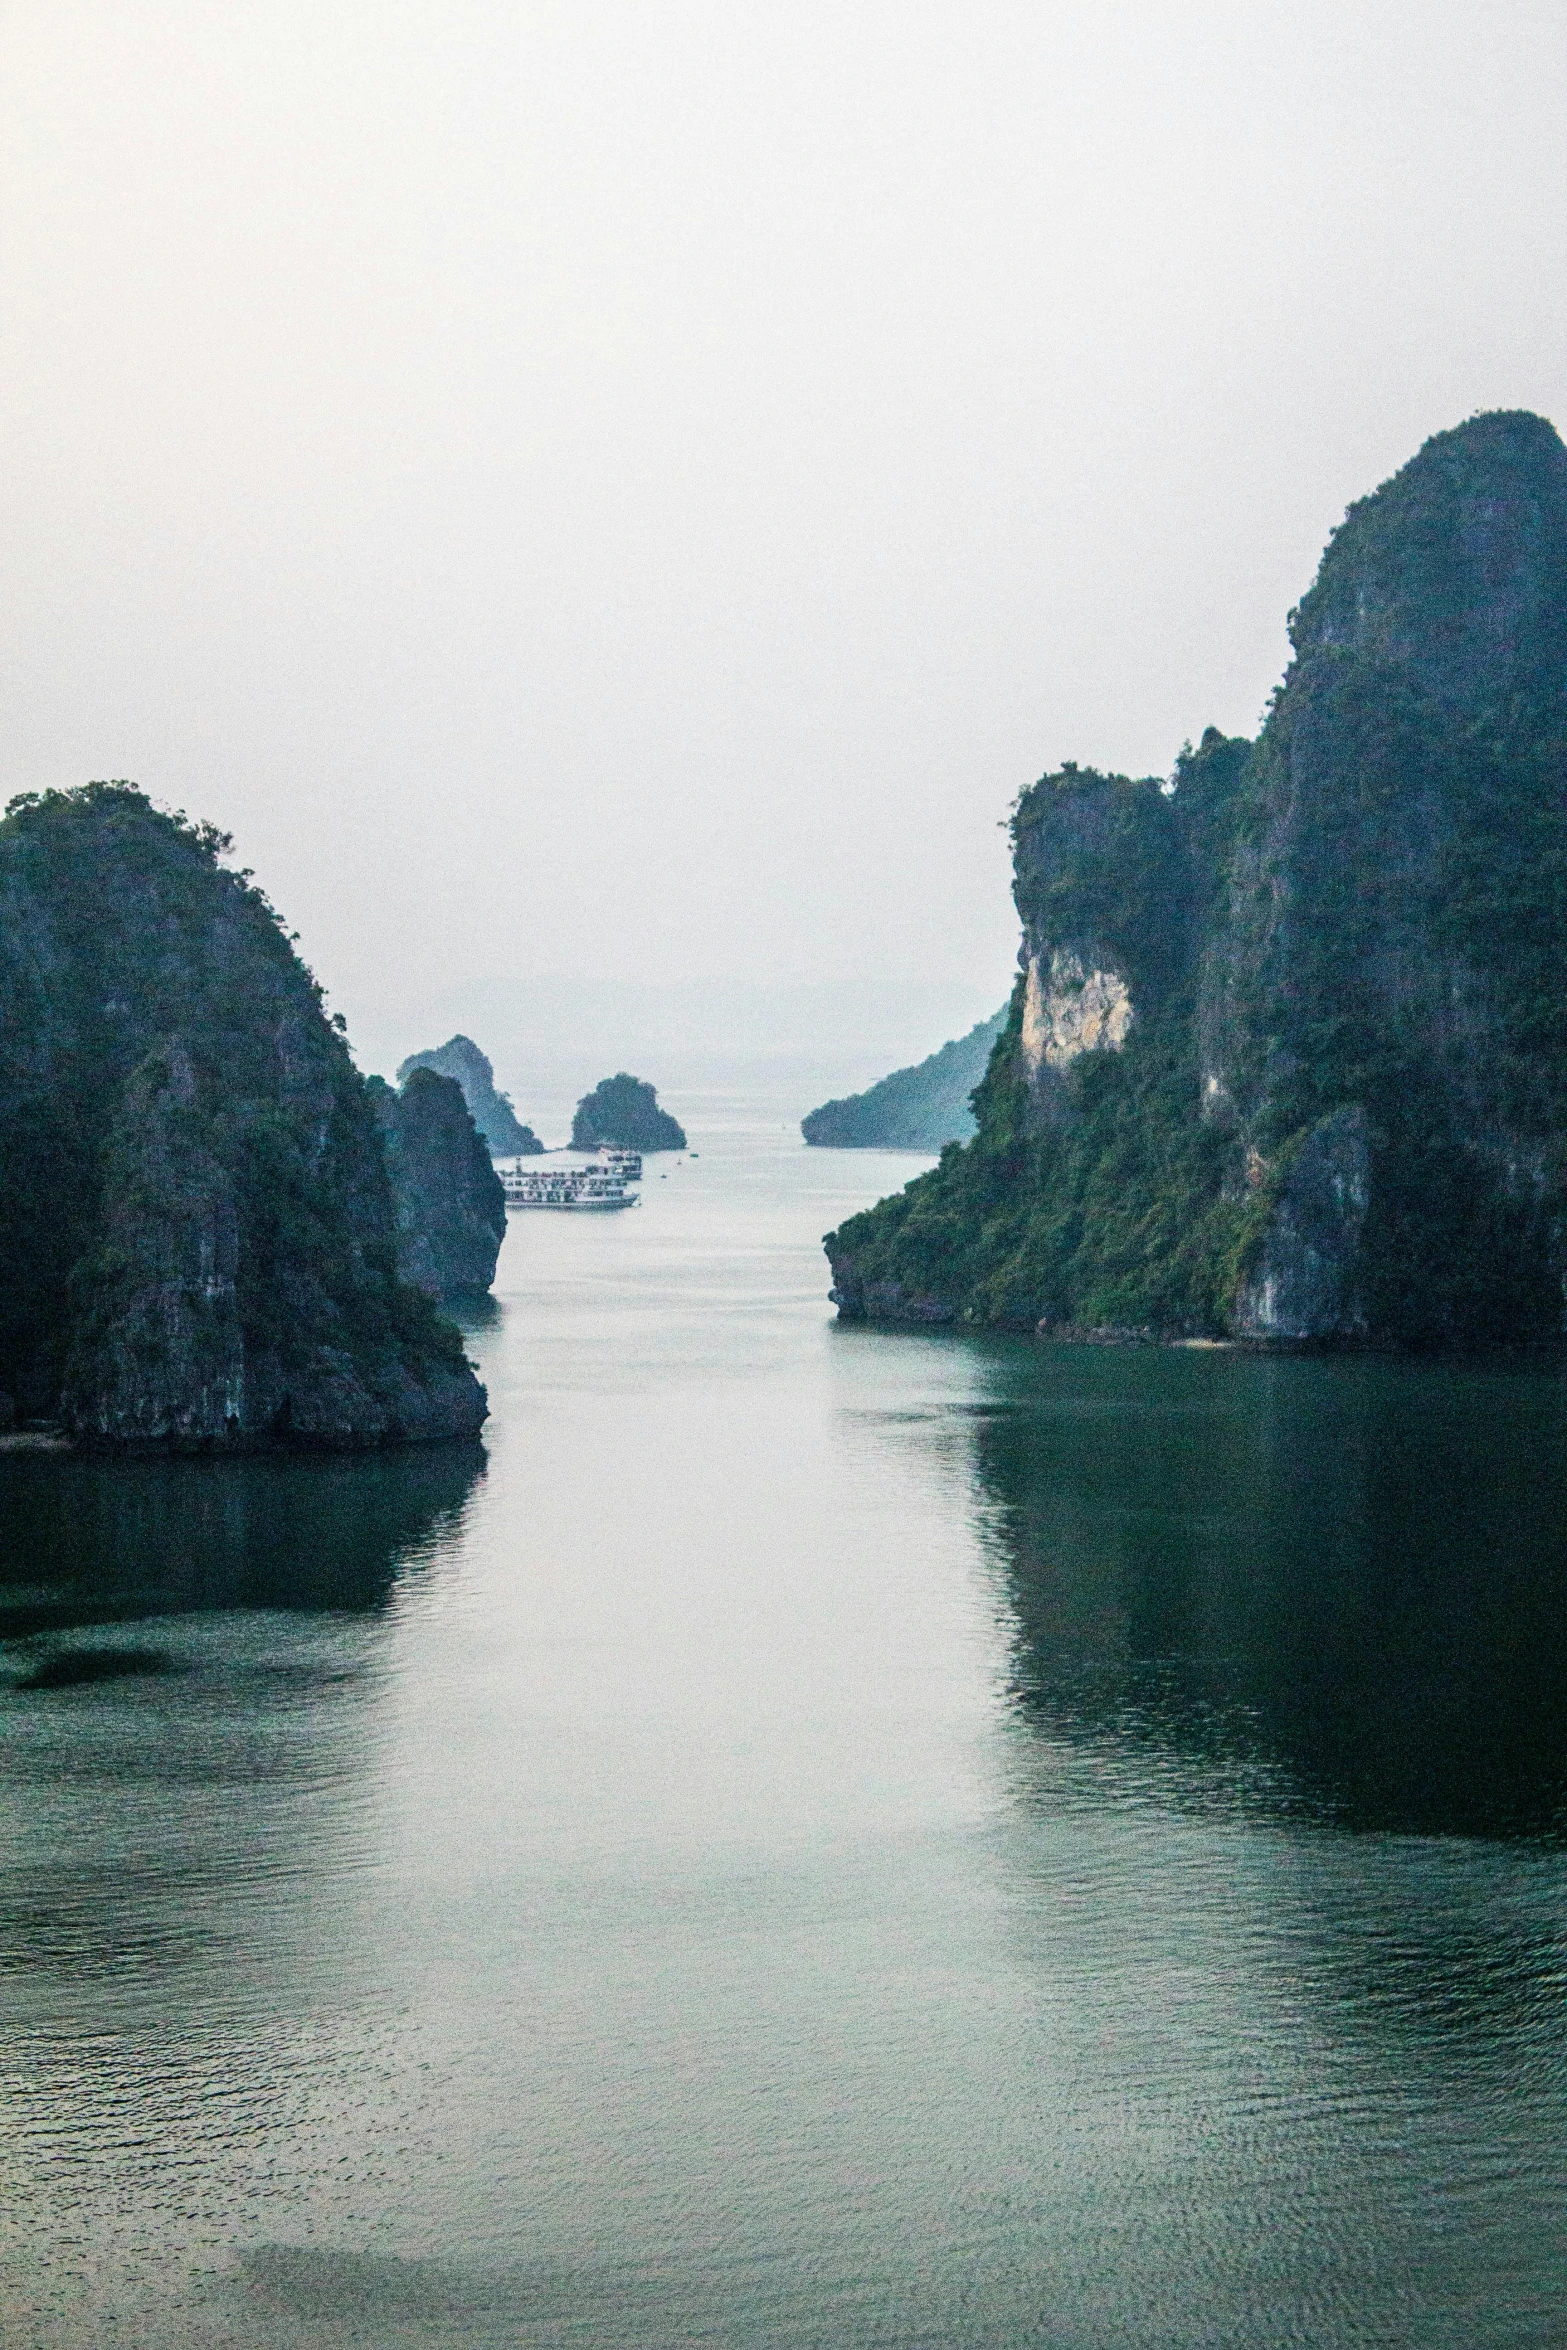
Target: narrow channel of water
<point x="806" y="1837"/>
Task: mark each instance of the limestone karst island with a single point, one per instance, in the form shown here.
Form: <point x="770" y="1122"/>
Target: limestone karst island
<point x="624" y="1111"/>
<point x="216" y="1233"/>
<point x="1287" y="1056"/>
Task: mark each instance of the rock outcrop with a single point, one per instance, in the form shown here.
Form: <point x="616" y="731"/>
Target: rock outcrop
<point x="917" y="1109"/>
<point x="624" y="1111"/>
<point x="1287" y="1058"/>
<point x="460" y="1058"/>
<point x="196" y="1219"/>
<point x="451" y="1205"/>
<point x="1069" y="1007"/>
<point x="1104" y="881"/>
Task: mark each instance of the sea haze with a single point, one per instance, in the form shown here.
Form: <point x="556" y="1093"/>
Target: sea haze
<point x="805" y="1836"/>
<point x="609" y="505"/>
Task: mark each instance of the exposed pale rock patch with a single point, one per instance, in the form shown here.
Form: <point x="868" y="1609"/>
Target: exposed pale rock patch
<point x="1069" y="1008"/>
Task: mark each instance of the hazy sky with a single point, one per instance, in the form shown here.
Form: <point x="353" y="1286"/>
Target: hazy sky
<point x="609" y="503"/>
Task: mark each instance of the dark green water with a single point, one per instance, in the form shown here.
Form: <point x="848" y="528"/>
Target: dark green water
<point x="805" y="1838"/>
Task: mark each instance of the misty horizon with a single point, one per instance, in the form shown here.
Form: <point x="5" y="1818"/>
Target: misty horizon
<point x="609" y="512"/>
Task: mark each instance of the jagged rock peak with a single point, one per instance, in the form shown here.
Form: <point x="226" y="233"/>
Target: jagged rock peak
<point x="460" y="1058"/>
<point x="451" y="1204"/>
<point x="1455" y="569"/>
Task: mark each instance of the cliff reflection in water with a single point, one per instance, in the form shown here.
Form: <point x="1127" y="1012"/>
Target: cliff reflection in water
<point x="186" y="1794"/>
<point x="87" y="1541"/>
<point x="1311" y="1588"/>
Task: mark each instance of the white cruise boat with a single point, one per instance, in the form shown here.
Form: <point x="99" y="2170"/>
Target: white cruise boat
<point x="593" y="1188"/>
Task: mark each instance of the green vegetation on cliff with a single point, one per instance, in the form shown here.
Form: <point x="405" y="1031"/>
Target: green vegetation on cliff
<point x="1288" y="1055"/>
<point x="196" y="1224"/>
<point x="624" y="1111"/>
<point x="1111" y="1210"/>
<point x="916" y="1109"/>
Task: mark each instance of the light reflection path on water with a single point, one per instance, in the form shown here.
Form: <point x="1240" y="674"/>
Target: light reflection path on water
<point x="812" y="1837"/>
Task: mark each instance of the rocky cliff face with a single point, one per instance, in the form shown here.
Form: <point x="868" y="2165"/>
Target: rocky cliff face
<point x="460" y="1058"/>
<point x="1102" y="879"/>
<point x="451" y="1206"/>
<point x="1300" y="1278"/>
<point x="196" y="1220"/>
<point x="1393" y="910"/>
<point x="1069" y="1007"/>
<point x="1288" y="1054"/>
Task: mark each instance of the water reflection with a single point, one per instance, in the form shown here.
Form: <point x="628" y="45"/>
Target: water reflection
<point x="88" y="1541"/>
<point x="1336" y="1589"/>
<point x="187" y="1886"/>
<point x="654" y="1931"/>
<point x="177" y="1788"/>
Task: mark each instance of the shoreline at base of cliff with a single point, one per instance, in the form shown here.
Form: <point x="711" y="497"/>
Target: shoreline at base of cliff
<point x="936" y="1317"/>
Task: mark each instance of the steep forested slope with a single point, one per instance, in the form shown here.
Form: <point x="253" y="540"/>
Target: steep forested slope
<point x="1287" y="1056"/>
<point x="197" y="1234"/>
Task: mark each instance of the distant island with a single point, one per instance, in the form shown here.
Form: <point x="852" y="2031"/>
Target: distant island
<point x="1287" y="1056"/>
<point x="922" y="1108"/>
<point x="198" y="1227"/>
<point x="624" y="1111"/>
<point x="460" y="1058"/>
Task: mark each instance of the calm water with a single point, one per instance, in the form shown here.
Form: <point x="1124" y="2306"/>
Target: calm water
<point x="806" y="1838"/>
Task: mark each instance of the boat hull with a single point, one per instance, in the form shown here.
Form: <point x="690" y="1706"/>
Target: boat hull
<point x="570" y="1207"/>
